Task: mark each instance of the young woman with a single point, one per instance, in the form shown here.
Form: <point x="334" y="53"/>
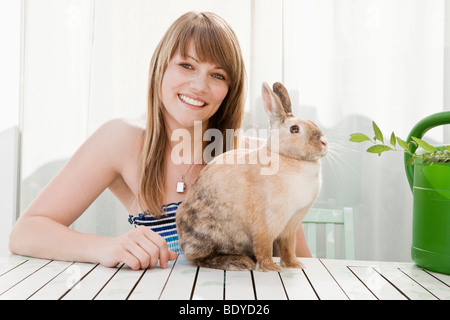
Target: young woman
<point x="196" y="75"/>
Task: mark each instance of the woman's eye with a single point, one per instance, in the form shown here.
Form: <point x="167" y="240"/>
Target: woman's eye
<point x="219" y="76"/>
<point x="186" y="65"/>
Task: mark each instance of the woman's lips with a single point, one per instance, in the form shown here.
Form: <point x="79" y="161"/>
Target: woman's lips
<point x="194" y="102"/>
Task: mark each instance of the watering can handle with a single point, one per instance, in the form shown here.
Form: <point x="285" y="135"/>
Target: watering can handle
<point x="419" y="131"/>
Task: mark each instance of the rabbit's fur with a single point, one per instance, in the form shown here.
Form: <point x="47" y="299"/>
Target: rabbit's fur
<point x="233" y="213"/>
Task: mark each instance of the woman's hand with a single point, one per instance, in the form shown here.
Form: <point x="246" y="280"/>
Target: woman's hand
<point x="139" y="248"/>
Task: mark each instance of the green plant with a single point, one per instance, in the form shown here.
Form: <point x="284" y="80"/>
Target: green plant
<point x="429" y="153"/>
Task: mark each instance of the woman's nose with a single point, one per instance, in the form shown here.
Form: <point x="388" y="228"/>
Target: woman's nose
<point x="199" y="83"/>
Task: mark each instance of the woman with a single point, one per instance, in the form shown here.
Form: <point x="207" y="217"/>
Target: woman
<point x="196" y="75"/>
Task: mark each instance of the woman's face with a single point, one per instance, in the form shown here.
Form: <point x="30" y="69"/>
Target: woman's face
<point x="192" y="90"/>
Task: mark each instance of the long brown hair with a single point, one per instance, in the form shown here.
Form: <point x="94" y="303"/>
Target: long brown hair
<point x="214" y="41"/>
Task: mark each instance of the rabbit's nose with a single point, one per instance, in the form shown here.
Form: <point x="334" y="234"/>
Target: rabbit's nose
<point x="324" y="141"/>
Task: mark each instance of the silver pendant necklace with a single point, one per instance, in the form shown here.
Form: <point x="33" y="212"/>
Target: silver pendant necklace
<point x="181" y="185"/>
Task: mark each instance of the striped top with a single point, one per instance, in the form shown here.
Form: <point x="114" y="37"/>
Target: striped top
<point x="165" y="225"/>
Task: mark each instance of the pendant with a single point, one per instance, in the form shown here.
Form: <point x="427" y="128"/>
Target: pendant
<point x="181" y="186"/>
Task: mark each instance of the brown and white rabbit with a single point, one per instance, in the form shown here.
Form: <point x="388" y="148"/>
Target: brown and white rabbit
<point x="233" y="212"/>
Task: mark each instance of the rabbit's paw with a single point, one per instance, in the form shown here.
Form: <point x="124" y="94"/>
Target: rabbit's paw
<point x="292" y="264"/>
<point x="268" y="265"/>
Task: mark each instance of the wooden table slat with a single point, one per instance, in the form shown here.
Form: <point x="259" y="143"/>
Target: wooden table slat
<point x="152" y="283"/>
<point x="179" y="286"/>
<point x="92" y="284"/>
<point x="444" y="278"/>
<point x="30" y="278"/>
<point x="350" y="284"/>
<point x="64" y="282"/>
<point x="239" y="285"/>
<point x="209" y="284"/>
<point x="406" y="285"/>
<point x="429" y="281"/>
<point x="36" y="280"/>
<point x="378" y="285"/>
<point x="268" y="286"/>
<point x="9" y="262"/>
<point x="297" y="285"/>
<point x="120" y="285"/>
<point x="322" y="281"/>
<point x="18" y="274"/>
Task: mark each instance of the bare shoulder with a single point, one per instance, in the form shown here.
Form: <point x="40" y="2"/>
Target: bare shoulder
<point x="119" y="140"/>
<point x="121" y="132"/>
<point x="127" y="128"/>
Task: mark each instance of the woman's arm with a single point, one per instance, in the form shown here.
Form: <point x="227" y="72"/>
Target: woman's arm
<point x="301" y="247"/>
<point x="43" y="229"/>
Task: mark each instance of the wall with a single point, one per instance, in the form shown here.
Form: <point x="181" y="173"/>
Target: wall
<point x="345" y="63"/>
<point x="10" y="77"/>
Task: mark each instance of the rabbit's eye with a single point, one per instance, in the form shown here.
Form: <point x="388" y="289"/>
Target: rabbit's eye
<point x="295" y="129"/>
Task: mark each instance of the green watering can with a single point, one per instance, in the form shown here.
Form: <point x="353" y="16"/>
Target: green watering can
<point x="430" y="184"/>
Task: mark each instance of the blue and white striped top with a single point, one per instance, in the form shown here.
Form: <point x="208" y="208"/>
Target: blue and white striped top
<point x="165" y="225"/>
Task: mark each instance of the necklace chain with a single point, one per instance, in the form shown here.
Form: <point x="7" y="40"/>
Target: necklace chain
<point x="181" y="185"/>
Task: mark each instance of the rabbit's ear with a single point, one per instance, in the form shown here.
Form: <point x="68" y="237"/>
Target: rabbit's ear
<point x="283" y="94"/>
<point x="272" y="104"/>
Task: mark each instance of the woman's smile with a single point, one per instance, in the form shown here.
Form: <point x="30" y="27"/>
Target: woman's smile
<point x="193" y="102"/>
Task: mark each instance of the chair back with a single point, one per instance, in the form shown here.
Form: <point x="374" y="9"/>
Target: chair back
<point x="330" y="218"/>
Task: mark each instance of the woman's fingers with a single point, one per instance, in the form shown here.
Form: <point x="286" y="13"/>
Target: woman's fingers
<point x="153" y="248"/>
<point x="172" y="255"/>
<point x="165" y="255"/>
<point x="161" y="245"/>
<point x="139" y="248"/>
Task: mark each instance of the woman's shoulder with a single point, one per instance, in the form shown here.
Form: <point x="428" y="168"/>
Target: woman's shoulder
<point x="123" y="126"/>
<point x="119" y="136"/>
<point x="122" y="130"/>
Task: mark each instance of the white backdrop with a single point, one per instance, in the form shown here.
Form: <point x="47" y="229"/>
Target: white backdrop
<point x="345" y="63"/>
<point x="10" y="57"/>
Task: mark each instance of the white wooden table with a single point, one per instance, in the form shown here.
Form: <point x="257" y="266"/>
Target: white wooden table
<point x="28" y="278"/>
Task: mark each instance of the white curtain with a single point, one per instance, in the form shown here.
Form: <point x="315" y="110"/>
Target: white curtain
<point x="345" y="64"/>
<point x="354" y="61"/>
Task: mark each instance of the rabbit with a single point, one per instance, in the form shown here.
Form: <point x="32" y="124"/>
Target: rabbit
<point x="232" y="214"/>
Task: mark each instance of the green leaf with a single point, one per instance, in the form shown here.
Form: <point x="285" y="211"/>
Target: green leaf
<point x="359" y="137"/>
<point x="377" y="131"/>
<point x="425" y="146"/>
<point x="379" y="148"/>
<point x="411" y="160"/>
<point x="404" y="145"/>
<point x="393" y="140"/>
